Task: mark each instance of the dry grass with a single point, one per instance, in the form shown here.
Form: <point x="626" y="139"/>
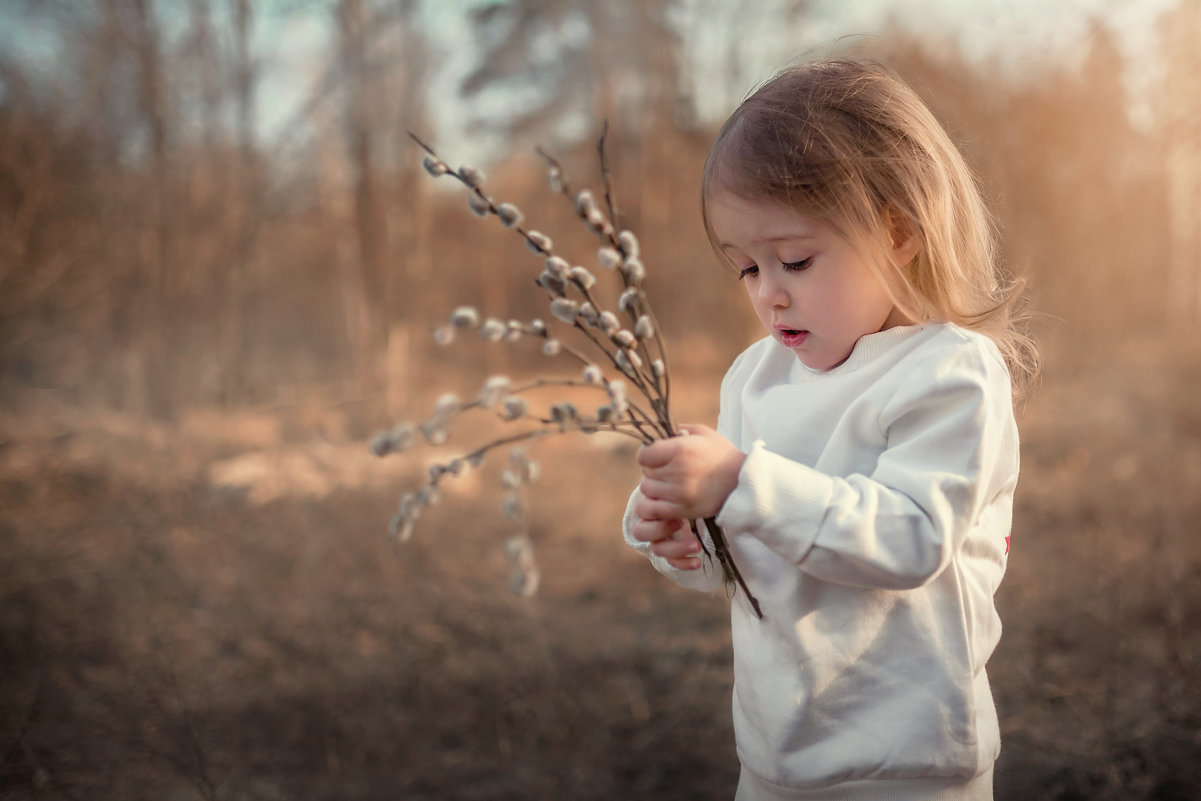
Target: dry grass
<point x="165" y="636"/>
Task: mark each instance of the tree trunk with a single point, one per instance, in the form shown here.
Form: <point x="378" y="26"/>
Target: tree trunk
<point x="247" y="188"/>
<point x="404" y="276"/>
<point x="365" y="276"/>
<point x="153" y="342"/>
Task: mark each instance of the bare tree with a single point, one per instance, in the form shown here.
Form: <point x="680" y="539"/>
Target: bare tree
<point x="151" y="363"/>
<point x="247" y="191"/>
<point x="1181" y="121"/>
<point x="409" y="206"/>
<point x="364" y="279"/>
<point x="27" y="167"/>
<point x="152" y="96"/>
<point x="201" y="57"/>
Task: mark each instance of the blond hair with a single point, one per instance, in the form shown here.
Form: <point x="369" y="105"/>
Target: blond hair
<point x="850" y="144"/>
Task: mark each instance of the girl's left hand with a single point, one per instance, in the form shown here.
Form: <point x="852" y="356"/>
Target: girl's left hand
<point x="687" y="477"/>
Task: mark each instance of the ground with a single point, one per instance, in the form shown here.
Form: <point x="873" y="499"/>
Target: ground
<point x="212" y="610"/>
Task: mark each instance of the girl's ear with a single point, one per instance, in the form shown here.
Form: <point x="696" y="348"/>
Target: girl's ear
<point x="902" y="240"/>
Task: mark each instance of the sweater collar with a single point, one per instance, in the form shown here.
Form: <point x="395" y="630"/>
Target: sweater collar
<point x="867" y="348"/>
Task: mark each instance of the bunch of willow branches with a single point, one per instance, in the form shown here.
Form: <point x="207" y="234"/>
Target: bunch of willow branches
<point x="621" y="356"/>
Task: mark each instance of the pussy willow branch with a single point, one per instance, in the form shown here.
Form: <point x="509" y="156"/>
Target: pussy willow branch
<point x="610" y="205"/>
<point x="492" y="208"/>
<point x="586" y="424"/>
<point x="642" y="371"/>
<point x="660" y="398"/>
<point x="661" y="408"/>
<point x="584" y="360"/>
<point x="661" y="402"/>
<point x="633" y="374"/>
<point x="634" y="377"/>
<point x="647" y="419"/>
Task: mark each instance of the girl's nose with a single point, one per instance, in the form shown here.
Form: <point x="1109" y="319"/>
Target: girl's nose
<point x="771" y="290"/>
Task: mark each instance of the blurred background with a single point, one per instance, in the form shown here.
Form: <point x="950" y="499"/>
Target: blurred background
<point x="220" y="266"/>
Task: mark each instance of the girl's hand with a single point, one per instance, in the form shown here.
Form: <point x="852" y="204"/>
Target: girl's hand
<point x="671" y="539"/>
<point x="687" y="477"/>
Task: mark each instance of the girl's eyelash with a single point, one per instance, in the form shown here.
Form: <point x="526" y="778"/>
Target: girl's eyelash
<point x="789" y="266"/>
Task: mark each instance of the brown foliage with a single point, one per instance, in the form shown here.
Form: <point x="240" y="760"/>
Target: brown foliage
<point x="162" y="633"/>
<point x="211" y="272"/>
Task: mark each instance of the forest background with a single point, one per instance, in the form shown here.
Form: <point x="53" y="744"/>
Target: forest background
<point x="220" y="264"/>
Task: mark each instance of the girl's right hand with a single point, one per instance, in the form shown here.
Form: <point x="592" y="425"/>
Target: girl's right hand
<point x="672" y="540"/>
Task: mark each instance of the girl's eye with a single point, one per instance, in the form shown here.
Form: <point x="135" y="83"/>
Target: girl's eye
<point x="788" y="266"/>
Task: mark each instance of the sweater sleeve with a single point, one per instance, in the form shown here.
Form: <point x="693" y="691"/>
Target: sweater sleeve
<point x="948" y="431"/>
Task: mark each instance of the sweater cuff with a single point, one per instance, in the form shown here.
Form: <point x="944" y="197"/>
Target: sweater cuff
<point x="627" y="525"/>
<point x="779" y="502"/>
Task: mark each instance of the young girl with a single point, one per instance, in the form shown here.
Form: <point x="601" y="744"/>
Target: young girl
<point x="866" y="454"/>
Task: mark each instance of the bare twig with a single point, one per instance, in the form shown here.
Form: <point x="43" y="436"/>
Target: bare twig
<point x="606" y="179"/>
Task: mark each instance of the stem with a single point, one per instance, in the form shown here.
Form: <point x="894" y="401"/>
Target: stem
<point x="696" y="532"/>
<point x="580" y="426"/>
<point x="554" y="162"/>
<point x="572" y="382"/>
<point x="605" y="177"/>
<point x="722" y="549"/>
<point x="665" y="391"/>
<point x="606" y="233"/>
<point x="423" y="145"/>
<point x="525" y="436"/>
<point x="537" y="383"/>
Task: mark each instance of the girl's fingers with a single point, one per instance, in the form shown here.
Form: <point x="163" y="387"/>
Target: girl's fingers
<point x="671" y="539"/>
<point x="649" y="531"/>
<point x="657" y="490"/>
<point x="686" y="542"/>
<point x="681" y="545"/>
<point x="658" y="453"/>
<point x="655" y="530"/>
<point x="654" y="455"/>
<point x="651" y="509"/>
<point x="676" y="549"/>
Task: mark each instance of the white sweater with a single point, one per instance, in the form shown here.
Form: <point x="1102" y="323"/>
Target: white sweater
<point x="871" y="520"/>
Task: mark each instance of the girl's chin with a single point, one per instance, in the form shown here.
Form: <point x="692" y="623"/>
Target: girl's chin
<point x="796" y="342"/>
<point x="821" y="361"/>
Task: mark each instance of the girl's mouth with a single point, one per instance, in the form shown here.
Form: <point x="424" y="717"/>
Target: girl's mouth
<point x="792" y="337"/>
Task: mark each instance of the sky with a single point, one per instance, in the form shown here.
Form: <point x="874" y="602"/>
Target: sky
<point x="1016" y="35"/>
<point x="293" y="36"/>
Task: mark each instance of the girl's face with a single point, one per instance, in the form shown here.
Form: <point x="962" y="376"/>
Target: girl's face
<point x="813" y="292"/>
